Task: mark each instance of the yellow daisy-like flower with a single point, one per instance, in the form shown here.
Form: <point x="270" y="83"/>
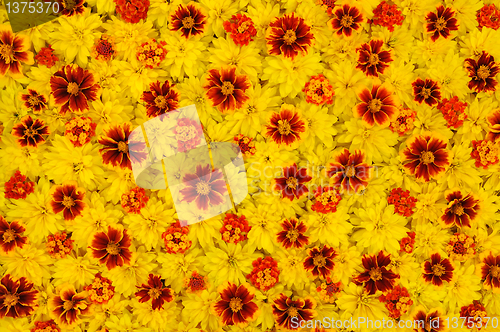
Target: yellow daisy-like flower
<point x="198" y="310"/>
<point x="415" y="11"/>
<point x="476" y="41"/>
<point x="317" y="18"/>
<point x="64" y="162"/>
<point x="476" y="125"/>
<point x="40" y="78"/>
<point x="432" y="121"/>
<point x="262" y="13"/>
<point x="78" y="271"/>
<point x="400" y="41"/>
<point x="218" y="12"/>
<point x="330" y="228"/>
<point x="103" y="6"/>
<point x="106" y="73"/>
<point x="355" y="302"/>
<point x="291" y="261"/>
<point x="75" y="37"/>
<point x="465" y="13"/>
<point x="347" y="80"/>
<point x="462" y="171"/>
<point x="148" y="226"/>
<point x="449" y="72"/>
<point x="26" y="160"/>
<point x="30" y="262"/>
<point x="319" y="125"/>
<point x="160" y="11"/>
<point x="427" y="50"/>
<point x="399" y="77"/>
<point x="406" y="266"/>
<point x="379" y="228"/>
<point x="165" y="319"/>
<point x="176" y="267"/>
<point x="135" y="78"/>
<point x="346" y="262"/>
<point x="345" y="48"/>
<point x="430" y="204"/>
<point x="430" y="238"/>
<point x="117" y="182"/>
<point x="291" y="75"/>
<point x="245" y="58"/>
<point x="125" y="322"/>
<point x="463" y="289"/>
<point x="425" y="294"/>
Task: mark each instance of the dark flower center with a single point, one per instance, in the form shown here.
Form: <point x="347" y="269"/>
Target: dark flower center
<point x="375" y="274"/>
<point x="373" y="59"/>
<point x="160" y="102"/>
<point x="440" y="23"/>
<point x="457" y="209"/>
<point x="122" y="146"/>
<point x="202" y="188"/>
<point x="9" y="235"/>
<point x="105" y="48"/>
<point x="290" y="37"/>
<point x="154" y="293"/>
<point x="33" y="100"/>
<point x="495" y="271"/>
<point x="73" y="88"/>
<point x="292" y="312"/>
<point x="459" y="248"/>
<point x="350" y="171"/>
<point x="438" y="270"/>
<point x="188" y="22"/>
<point x="291" y="182"/>
<point x="319" y="260"/>
<point x="68" y="201"/>
<point x="235" y="304"/>
<point x="113" y="248"/>
<point x="425" y="92"/>
<point x="483" y="72"/>
<point x="30" y="132"/>
<point x="292" y="234"/>
<point x="68" y="305"/>
<point x="427" y="157"/>
<point x="375" y="105"/>
<point x="10" y="300"/>
<point x="346" y="21"/>
<point x="284" y="127"/>
<point x="6" y="53"/>
<point x="227" y="88"/>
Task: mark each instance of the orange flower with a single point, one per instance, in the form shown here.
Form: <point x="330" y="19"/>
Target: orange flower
<point x="288" y="35"/>
<point x="236" y="305"/>
<point x="377" y="106"/>
<point x="17" y="297"/>
<point x="67" y="306"/>
<point x="68" y="199"/>
<point x="349" y="171"/>
<point x="13" y="52"/>
<point x="226" y="90"/>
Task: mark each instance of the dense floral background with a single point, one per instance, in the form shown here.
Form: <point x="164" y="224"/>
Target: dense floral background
<point x="371" y="136"/>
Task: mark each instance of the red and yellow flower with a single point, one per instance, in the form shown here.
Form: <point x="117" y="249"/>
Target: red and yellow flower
<point x="292" y="184"/>
<point x="441" y="23"/>
<point x="30" y="132"/>
<point x="13" y="52"/>
<point x="346" y="20"/>
<point x="489" y="271"/>
<point x="205" y="187"/>
<point x="285" y="126"/>
<point x="112" y="248"/>
<point x="17" y="297"/>
<point x="11" y="235"/>
<point x="462" y="209"/>
<point x="377" y="275"/>
<point x="68" y="199"/>
<point x="482" y="73"/>
<point x="160" y="99"/>
<point x="437" y="270"/>
<point x="372" y="60"/>
<point x="320" y="261"/>
<point x="236" y="305"/>
<point x="68" y="306"/>
<point x="293" y="234"/>
<point x="284" y="309"/>
<point x="289" y="36"/>
<point x="155" y="291"/>
<point x="189" y="20"/>
<point x="349" y="172"/>
<point x="377" y="107"/>
<point x="226" y="90"/>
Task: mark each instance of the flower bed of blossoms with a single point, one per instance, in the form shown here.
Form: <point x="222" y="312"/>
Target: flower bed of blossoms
<point x="371" y="137"/>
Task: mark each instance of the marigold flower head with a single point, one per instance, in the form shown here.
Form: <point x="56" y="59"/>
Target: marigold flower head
<point x="46" y="57"/>
<point x="326" y="200"/>
<point x="427" y="91"/>
<point x="226" y="90"/>
<point x="59" y="245"/>
<point x="490" y="272"/>
<point x="432" y="320"/>
<point x="246" y="144"/>
<point x="176" y="239"/>
<point x="441" y="23"/>
<point x="101" y="290"/>
<point x="68" y="305"/>
<point x="407" y="244"/>
<point x="319" y="90"/>
<point x="475" y="316"/>
<point x="30" y="133"/>
<point x="328" y="290"/>
<point x="68" y="199"/>
<point x="461" y="247"/>
<point x="292" y="184"/>
<point x="346" y="20"/>
<point x="285" y="309"/>
<point x="234" y="228"/>
<point x="403" y="202"/>
<point x="48" y="326"/>
<point x="104" y="48"/>
<point x="134" y="200"/>
<point x="151" y="53"/>
<point x="293" y="234"/>
<point x="34" y="101"/>
<point x="453" y="111"/>
<point x="116" y="150"/>
<point x="387" y="15"/>
<point x="132" y="11"/>
<point x="489" y="17"/>
<point x="13" y="52"/>
<point x="377" y="107"/>
<point x="397" y="301"/>
<point x="80" y="130"/>
<point x="485" y="153"/>
<point x="205" y="187"/>
<point x="285" y="126"/>
<point x="11" y="235"/>
<point x="288" y="35"/>
<point x="494" y="126"/>
<point x="482" y="73"/>
<point x="377" y="275"/>
<point x="404" y="122"/>
<point x="372" y="60"/>
<point x="112" y="247"/>
<point x="189" y="19"/>
<point x="195" y="282"/>
<point x="160" y="99"/>
<point x="265" y="273"/>
<point x="17" y="297"/>
<point x="154" y="291"/>
<point x="437" y="270"/>
<point x="349" y="172"/>
<point x="71" y="7"/>
<point x="18" y="186"/>
<point x="320" y="261"/>
<point x="241" y="28"/>
<point x="462" y="209"/>
<point x="236" y="305"/>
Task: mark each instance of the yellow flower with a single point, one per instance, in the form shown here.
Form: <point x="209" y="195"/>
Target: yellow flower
<point x="344" y="48"/>
<point x="400" y="41"/>
<point x="78" y="271"/>
<point x="379" y="228"/>
<point x="432" y="120"/>
<point x="406" y="266"/>
<point x="135" y="78"/>
<point x="292" y="261"/>
<point x="176" y="267"/>
<point x="425" y="294"/>
<point x="346" y="263"/>
<point x="355" y="302"/>
<point x="463" y="289"/>
<point x="198" y="310"/>
<point x="165" y="319"/>
<point x="462" y="171"/>
<point x="430" y="204"/>
<point x="291" y="75"/>
<point x="415" y="11"/>
<point x="475" y="126"/>
<point x="15" y="158"/>
<point x="399" y="77"/>
<point x="331" y="228"/>
<point x="218" y="12"/>
<point x="117" y="182"/>
<point x="160" y="11"/>
<point x="262" y="13"/>
<point x="317" y="18"/>
<point x="426" y="51"/>
<point x="125" y="322"/>
<point x="319" y="125"/>
<point x="430" y="238"/>
<point x="449" y="72"/>
<point x="30" y="262"/>
<point x="346" y="80"/>
<point x="476" y="41"/>
<point x="465" y="12"/>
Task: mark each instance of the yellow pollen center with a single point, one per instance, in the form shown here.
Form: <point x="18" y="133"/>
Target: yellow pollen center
<point x="291" y="182"/>
<point x="33" y="101"/>
<point x="160" y="102"/>
<point x="73" y="88"/>
<point x="243" y="26"/>
<point x="122" y="146"/>
<point x="483" y="72"/>
<point x="375" y="274"/>
<point x="426" y="93"/>
<point x="292" y="312"/>
<point x="457" y="209"/>
<point x="319" y="260"/>
<point x="375" y="105"/>
<point x="154" y="293"/>
<point x="188" y="22"/>
<point x="440" y="23"/>
<point x="438" y="270"/>
<point x="9" y="235"/>
<point x="10" y="300"/>
<point x="68" y="201"/>
<point x="290" y="37"/>
<point x="68" y="305"/>
<point x="227" y="88"/>
<point x="284" y="127"/>
<point x="373" y="59"/>
<point x="495" y="271"/>
<point x="30" y="132"/>
<point x="292" y="234"/>
<point x="202" y="188"/>
<point x="427" y="157"/>
<point x="235" y="304"/>
<point x="6" y="53"/>
<point x="113" y="248"/>
<point x="350" y="171"/>
<point x="346" y="21"/>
